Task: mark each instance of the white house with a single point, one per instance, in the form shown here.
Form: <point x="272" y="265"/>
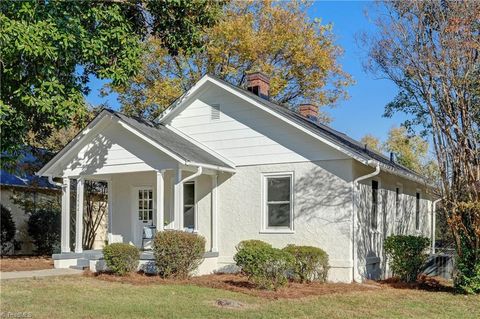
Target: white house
<point x="231" y="165"/>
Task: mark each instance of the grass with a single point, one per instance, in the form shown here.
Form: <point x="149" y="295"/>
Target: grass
<point x="87" y="297"/>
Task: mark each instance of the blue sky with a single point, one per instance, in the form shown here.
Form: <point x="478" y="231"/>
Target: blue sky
<point x="362" y="113"/>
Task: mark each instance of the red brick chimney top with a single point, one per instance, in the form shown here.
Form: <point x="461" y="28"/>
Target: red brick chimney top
<point x="259" y="84"/>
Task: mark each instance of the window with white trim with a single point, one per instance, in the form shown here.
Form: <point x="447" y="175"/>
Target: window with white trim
<point x="189" y="205"/>
<point x="417" y="211"/>
<point x="374" y="211"/>
<point x="278" y="201"/>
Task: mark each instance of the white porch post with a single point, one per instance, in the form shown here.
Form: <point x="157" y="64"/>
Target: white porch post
<point x="214" y="243"/>
<point x="160" y="201"/>
<point x="110" y="211"/>
<point x="178" y="220"/>
<point x="79" y="216"/>
<point x="65" y="227"/>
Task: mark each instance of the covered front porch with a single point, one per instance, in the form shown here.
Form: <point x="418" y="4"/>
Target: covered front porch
<point x="157" y="181"/>
<point x="181" y="199"/>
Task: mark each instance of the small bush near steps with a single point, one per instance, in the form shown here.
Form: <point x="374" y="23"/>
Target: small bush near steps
<point x="310" y="263"/>
<point x="121" y="258"/>
<point x="177" y="253"/>
<point x="266" y="266"/>
<point x="406" y="255"/>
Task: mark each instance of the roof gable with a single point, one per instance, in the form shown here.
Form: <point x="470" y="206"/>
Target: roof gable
<point x="325" y="134"/>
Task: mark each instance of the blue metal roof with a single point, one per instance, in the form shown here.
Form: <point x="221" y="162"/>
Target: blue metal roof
<point x="22" y="175"/>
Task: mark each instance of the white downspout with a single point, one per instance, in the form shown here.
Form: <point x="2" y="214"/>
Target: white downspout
<point x="434" y="216"/>
<point x="371" y="163"/>
<point x="51" y="181"/>
<point x="180" y="185"/>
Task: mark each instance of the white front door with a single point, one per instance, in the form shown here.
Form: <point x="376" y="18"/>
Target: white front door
<point x="143" y="212"/>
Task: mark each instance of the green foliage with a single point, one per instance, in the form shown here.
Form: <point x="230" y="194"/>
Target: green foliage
<point x="177" y="253"/>
<point x="266" y="266"/>
<point x="8" y="230"/>
<point x="44" y="229"/>
<point x="310" y="263"/>
<point x="467" y="262"/>
<point x="406" y="255"/>
<point x="50" y="49"/>
<point x="121" y="258"/>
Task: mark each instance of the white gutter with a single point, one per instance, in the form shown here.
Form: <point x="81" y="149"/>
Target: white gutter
<point x="214" y="167"/>
<point x="371" y="163"/>
<point x="51" y="181"/>
<point x="434" y="215"/>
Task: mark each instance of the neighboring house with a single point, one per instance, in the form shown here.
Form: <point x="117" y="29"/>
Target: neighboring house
<point x="24" y="185"/>
<point x="230" y="165"/>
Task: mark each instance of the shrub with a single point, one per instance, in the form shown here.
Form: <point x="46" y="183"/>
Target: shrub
<point x="406" y="255"/>
<point x="121" y="258"/>
<point x="177" y="253"/>
<point x="266" y="266"/>
<point x="310" y="263"/>
<point x="44" y="229"/>
<point x="8" y="230"/>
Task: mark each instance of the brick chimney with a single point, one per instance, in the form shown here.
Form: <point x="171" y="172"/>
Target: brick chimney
<point x="259" y="84"/>
<point x="309" y="111"/>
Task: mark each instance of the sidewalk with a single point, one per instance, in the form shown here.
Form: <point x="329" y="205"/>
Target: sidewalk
<point x="39" y="273"/>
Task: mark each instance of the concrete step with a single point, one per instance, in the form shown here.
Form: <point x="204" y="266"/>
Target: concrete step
<point x="83" y="262"/>
<point x="79" y="267"/>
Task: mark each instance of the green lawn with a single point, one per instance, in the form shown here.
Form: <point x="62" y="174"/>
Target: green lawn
<point x="87" y="297"/>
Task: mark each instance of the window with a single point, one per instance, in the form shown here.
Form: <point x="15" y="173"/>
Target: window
<point x="145" y="205"/>
<point x="189" y="205"/>
<point x="278" y="201"/>
<point x="215" y="112"/>
<point x="374" y="215"/>
<point x="398" y="202"/>
<point x="417" y="212"/>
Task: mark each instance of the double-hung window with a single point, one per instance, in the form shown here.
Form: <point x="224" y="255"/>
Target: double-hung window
<point x="374" y="212"/>
<point x="278" y="202"/>
<point x="417" y="211"/>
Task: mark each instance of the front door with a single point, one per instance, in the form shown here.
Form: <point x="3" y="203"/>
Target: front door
<point x="143" y="213"/>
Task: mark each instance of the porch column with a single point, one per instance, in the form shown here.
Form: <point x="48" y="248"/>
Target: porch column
<point x="214" y="243"/>
<point x="110" y="211"/>
<point x="178" y="192"/>
<point x="79" y="216"/>
<point x="160" y="200"/>
<point x="65" y="227"/>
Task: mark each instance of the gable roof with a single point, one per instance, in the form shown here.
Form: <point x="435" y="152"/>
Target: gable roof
<point x="344" y="143"/>
<point x="168" y="141"/>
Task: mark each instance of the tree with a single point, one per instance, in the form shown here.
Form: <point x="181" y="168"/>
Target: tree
<point x="49" y="50"/>
<point x="410" y="151"/>
<point x="372" y="142"/>
<point x="96" y="193"/>
<point x="8" y="230"/>
<point x="430" y="50"/>
<point x="299" y="56"/>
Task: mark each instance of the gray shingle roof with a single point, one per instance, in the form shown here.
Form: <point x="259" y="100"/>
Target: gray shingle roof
<point x="330" y="134"/>
<point x="170" y="140"/>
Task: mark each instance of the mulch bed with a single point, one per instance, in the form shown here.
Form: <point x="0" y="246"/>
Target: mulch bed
<point x="239" y="283"/>
<point x="20" y="263"/>
<point x="423" y="283"/>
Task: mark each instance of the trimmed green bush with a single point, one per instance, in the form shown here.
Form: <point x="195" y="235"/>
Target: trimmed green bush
<point x="266" y="266"/>
<point x="178" y="253"/>
<point x="406" y="255"/>
<point x="44" y="229"/>
<point x="310" y="263"/>
<point x="121" y="258"/>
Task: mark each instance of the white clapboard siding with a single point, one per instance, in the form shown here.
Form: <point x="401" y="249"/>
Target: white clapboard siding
<point x="113" y="149"/>
<point x="245" y="134"/>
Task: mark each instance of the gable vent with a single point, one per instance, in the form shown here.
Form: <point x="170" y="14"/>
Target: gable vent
<point x="215" y="115"/>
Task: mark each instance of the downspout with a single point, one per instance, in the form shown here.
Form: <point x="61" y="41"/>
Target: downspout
<point x="51" y="181"/>
<point x="376" y="165"/>
<point x="434" y="216"/>
<point x="180" y="189"/>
